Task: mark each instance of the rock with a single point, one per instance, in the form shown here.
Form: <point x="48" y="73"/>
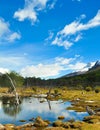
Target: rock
<point x="40" y="123"/>
<point x="94" y="119"/>
<point x="98" y="113"/>
<point x="57" y="123"/>
<point x="10" y="126"/>
<point x="55" y="128"/>
<point x="66" y="124"/>
<point x="76" y="125"/>
<point x="2" y="127"/>
<point x="48" y="121"/>
<point x="28" y="125"/>
<point x="61" y="117"/>
<point x="22" y="120"/>
<point x="90" y="111"/>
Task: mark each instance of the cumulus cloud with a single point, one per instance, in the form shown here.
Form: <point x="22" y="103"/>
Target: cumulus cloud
<point x="4" y="70"/>
<point x="73" y="32"/>
<point x="44" y="70"/>
<point x="14" y="36"/>
<point x="78" y="66"/>
<point x="41" y="70"/>
<point x="59" y="65"/>
<point x="6" y="34"/>
<point x="31" y="9"/>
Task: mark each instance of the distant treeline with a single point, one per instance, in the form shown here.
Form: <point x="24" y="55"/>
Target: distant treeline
<point x="77" y="82"/>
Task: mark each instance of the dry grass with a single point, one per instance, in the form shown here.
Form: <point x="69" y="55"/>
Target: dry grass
<point x="65" y="94"/>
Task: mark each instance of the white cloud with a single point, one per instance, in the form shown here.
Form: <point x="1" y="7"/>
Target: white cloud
<point x="41" y="70"/>
<point x="26" y="13"/>
<point x="6" y="34"/>
<point x="4" y="70"/>
<point x="13" y="36"/>
<point x="51" y="34"/>
<point x="88" y="66"/>
<point x="78" y="37"/>
<point x="46" y="69"/>
<point x="73" y="32"/>
<point x="31" y="9"/>
<point x="4" y="27"/>
<point x="78" y="66"/>
<point x="59" y="65"/>
<point x="63" y="61"/>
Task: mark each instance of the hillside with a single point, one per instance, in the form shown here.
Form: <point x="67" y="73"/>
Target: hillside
<point x="89" y="78"/>
<point x="95" y="67"/>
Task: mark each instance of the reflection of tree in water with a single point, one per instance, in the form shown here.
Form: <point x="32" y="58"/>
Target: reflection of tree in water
<point x="41" y="100"/>
<point x="9" y="107"/>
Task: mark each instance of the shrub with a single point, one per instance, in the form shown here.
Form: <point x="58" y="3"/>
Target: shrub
<point x="97" y="90"/>
<point x="88" y="89"/>
<point x="34" y="89"/>
<point x="56" y="91"/>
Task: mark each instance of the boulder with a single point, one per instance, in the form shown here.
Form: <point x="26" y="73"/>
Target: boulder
<point x="57" y="123"/>
<point x="2" y="127"/>
<point x="39" y="122"/>
<point x="61" y="117"/>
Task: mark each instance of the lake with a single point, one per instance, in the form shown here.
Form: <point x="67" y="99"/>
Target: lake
<point x="31" y="107"/>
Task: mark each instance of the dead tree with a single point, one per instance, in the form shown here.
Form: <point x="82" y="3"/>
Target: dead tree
<point x="14" y="90"/>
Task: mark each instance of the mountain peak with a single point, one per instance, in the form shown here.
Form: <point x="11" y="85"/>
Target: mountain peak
<point x="96" y="65"/>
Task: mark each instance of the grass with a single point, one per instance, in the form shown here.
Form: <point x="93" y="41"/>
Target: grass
<point x="65" y="94"/>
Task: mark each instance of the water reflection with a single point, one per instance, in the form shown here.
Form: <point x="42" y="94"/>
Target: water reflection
<point x="33" y="107"/>
<point x="41" y="100"/>
<point x="9" y="107"/>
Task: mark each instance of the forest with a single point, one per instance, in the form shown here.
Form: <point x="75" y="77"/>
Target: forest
<point x="90" y="78"/>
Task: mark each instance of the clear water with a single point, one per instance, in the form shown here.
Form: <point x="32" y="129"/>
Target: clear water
<point x="31" y="107"/>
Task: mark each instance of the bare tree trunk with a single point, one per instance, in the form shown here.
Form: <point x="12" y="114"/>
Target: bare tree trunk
<point x="15" y="92"/>
<point x="49" y="93"/>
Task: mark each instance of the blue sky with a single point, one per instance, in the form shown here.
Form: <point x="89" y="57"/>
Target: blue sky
<point x="49" y="38"/>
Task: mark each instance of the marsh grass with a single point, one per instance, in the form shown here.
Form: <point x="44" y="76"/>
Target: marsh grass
<point x="80" y="99"/>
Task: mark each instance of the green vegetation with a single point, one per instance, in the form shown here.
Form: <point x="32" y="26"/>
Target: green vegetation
<point x="97" y="89"/>
<point x="17" y="79"/>
<point x="88" y="89"/>
<point x="56" y="91"/>
<point x="91" y="79"/>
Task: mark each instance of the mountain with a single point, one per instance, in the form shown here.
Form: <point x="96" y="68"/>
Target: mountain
<point x="74" y="74"/>
<point x="89" y="67"/>
<point x="95" y="67"/>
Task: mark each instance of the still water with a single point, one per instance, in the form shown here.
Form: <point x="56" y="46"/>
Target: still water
<point x="31" y="107"/>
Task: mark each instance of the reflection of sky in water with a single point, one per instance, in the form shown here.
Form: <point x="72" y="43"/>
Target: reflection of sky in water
<point x="31" y="107"/>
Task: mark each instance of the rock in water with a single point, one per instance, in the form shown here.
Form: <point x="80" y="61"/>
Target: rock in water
<point x="90" y="111"/>
<point x="40" y="123"/>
